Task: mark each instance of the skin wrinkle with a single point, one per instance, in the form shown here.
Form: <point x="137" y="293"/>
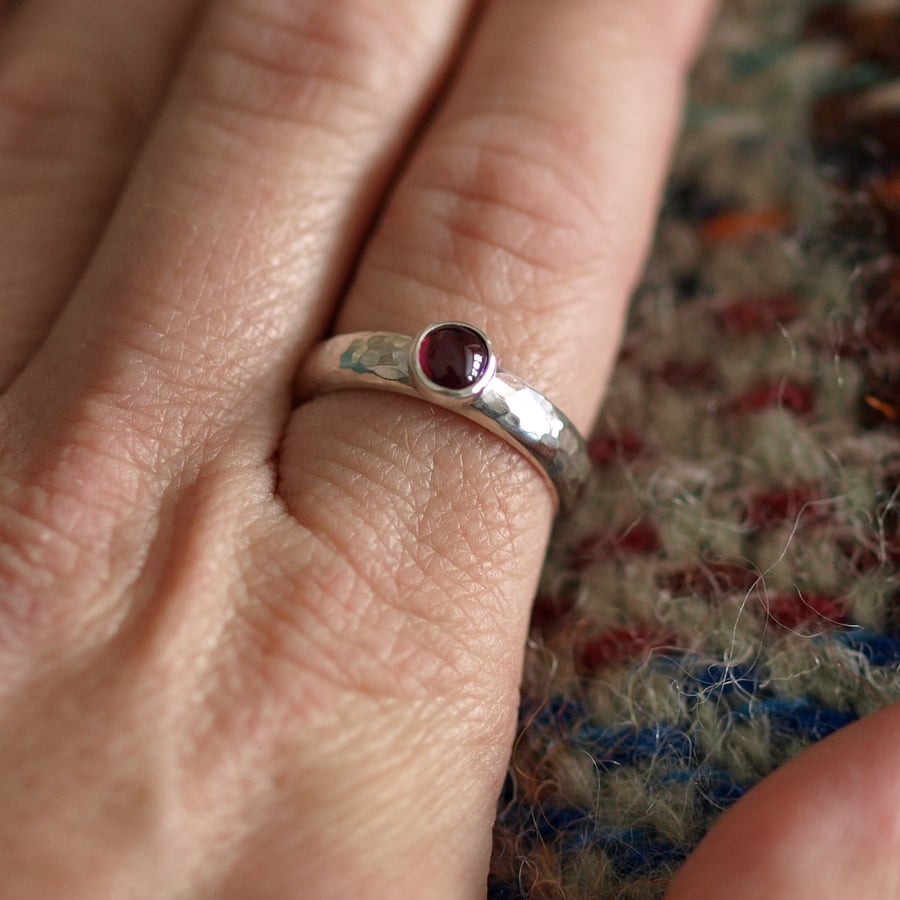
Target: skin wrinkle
<point x="356" y="597"/>
<point x="568" y="139"/>
<point x="435" y="631"/>
<point x="25" y="579"/>
<point x="445" y="458"/>
<point x="280" y="653"/>
<point x="293" y="75"/>
<point x="79" y="143"/>
<point x="209" y="776"/>
<point x="213" y="711"/>
<point x="157" y="428"/>
<point x="358" y="42"/>
<point x="496" y="515"/>
<point x="492" y="169"/>
<point x="415" y="574"/>
<point x="179" y="339"/>
<point x="172" y="574"/>
<point x="409" y="263"/>
<point x="348" y="457"/>
<point x="39" y="104"/>
<point x="282" y="305"/>
<point x="385" y="673"/>
<point x="379" y="765"/>
<point x="303" y="49"/>
<point x="384" y="583"/>
<point x="66" y="71"/>
<point x="86" y="487"/>
<point x="475" y="230"/>
<point x="481" y="141"/>
<point x="500" y="253"/>
<point x="150" y="408"/>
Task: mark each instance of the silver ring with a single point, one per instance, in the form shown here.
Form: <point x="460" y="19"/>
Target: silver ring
<point x="452" y="365"/>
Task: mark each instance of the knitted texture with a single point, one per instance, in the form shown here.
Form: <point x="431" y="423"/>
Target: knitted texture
<point x="728" y="592"/>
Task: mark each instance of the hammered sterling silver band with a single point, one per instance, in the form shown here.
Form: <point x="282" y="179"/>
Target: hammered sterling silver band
<point x="453" y="365"/>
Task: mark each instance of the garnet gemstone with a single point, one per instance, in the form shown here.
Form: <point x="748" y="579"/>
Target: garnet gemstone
<point x="453" y="357"/>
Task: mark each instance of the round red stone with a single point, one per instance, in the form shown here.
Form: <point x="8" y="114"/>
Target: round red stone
<point x="453" y="357"/>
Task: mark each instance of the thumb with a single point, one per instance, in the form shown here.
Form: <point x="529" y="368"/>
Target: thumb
<point x="827" y="824"/>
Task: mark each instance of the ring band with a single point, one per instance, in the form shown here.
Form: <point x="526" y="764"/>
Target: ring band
<point x="452" y="365"/>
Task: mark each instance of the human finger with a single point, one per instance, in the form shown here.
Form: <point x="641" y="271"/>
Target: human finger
<point x="529" y="203"/>
<point x="826" y="824"/>
<point x="525" y="209"/>
<point x="241" y="219"/>
<point x="79" y="83"/>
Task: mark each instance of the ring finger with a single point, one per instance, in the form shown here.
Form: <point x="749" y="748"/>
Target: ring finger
<point x="525" y="210"/>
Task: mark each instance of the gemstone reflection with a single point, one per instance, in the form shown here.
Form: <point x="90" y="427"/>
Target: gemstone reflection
<point x="453" y="357"/>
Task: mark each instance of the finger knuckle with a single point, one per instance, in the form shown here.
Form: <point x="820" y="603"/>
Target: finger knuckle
<point x="294" y="61"/>
<point x="38" y="559"/>
<point x="64" y="502"/>
<point x="54" y="101"/>
<point x="495" y="208"/>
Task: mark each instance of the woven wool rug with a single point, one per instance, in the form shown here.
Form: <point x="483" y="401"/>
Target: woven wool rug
<point x="729" y="590"/>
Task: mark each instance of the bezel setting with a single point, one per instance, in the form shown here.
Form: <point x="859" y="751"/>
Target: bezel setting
<point x="493" y="398"/>
<point x="454" y="397"/>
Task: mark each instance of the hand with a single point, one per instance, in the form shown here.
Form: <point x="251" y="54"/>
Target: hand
<point x="254" y="651"/>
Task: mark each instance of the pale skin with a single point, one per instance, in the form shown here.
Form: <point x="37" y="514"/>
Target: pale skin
<point x="249" y="649"/>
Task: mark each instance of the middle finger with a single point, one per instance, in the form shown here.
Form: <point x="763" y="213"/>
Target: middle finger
<point x="236" y="232"/>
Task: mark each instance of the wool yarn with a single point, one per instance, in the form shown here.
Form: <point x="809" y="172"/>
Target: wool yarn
<point x="728" y="592"/>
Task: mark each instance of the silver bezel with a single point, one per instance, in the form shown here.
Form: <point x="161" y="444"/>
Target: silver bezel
<point x="460" y="397"/>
